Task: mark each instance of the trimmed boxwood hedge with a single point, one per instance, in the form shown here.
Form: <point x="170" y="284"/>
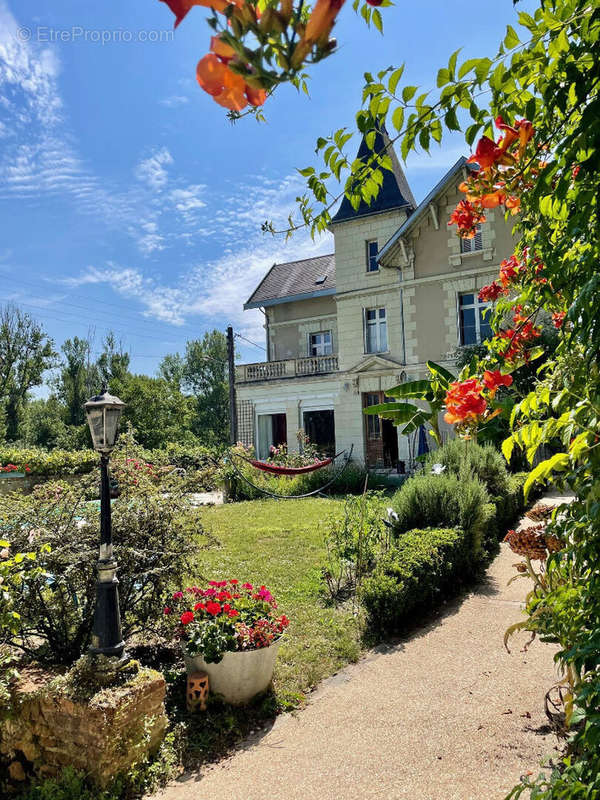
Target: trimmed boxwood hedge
<point x="420" y="569"/>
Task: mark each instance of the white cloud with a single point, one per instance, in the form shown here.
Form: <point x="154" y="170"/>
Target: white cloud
<point x="152" y="170"/>
<point x="174" y="101"/>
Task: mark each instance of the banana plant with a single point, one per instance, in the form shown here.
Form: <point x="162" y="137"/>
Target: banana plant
<point x="430" y="391"/>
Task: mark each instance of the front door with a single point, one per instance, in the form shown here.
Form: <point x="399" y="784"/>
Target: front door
<point x="381" y="436"/>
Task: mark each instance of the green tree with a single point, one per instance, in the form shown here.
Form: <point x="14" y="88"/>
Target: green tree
<point x="157" y="410"/>
<point x="113" y="362"/>
<point x="76" y="379"/>
<point x="26" y="352"/>
<point x="202" y="372"/>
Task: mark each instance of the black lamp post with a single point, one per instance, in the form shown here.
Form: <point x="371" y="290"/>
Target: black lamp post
<point x="103" y="414"/>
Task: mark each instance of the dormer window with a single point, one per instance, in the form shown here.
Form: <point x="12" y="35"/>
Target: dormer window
<point x="372" y="253"/>
<point x="474" y="244"/>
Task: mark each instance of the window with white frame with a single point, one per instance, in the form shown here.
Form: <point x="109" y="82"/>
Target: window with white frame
<point x="319" y="344"/>
<point x="473" y="319"/>
<point x="474" y="244"/>
<point x="375" y="330"/>
<point x="372" y="253"/>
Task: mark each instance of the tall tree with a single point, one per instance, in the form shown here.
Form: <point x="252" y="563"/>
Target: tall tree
<point x="202" y="372"/>
<point x="74" y="384"/>
<point x="26" y="352"/>
<point x="113" y="362"/>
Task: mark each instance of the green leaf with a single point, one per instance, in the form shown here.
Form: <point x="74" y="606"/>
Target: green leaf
<point x="482" y="69"/>
<point x="544" y="470"/>
<point x="451" y="120"/>
<point x="508" y="445"/>
<point x="416" y="389"/>
<point x="307" y="171"/>
<point x="511" y="39"/>
<point x="377" y="21"/>
<point x="452" y="61"/>
<point x="394" y="79"/>
<point x="397" y="412"/>
<point x="468" y="65"/>
<point x="408" y="93"/>
<point x="398" y="118"/>
<point x="443" y="76"/>
<point x="441" y="371"/>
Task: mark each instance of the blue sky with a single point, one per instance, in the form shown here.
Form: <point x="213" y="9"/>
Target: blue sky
<point x="128" y="201"/>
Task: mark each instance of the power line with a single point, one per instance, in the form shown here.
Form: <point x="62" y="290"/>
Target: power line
<point x="260" y="347"/>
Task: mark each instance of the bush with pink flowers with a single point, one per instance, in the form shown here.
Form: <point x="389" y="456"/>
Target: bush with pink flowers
<point x="225" y="617"/>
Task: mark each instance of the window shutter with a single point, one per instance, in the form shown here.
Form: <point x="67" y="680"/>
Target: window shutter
<point x="364" y="314"/>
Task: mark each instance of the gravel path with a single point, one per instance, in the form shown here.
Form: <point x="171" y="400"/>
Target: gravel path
<point x="447" y="714"/>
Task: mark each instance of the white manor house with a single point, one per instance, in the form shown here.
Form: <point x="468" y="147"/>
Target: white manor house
<point x="399" y="290"/>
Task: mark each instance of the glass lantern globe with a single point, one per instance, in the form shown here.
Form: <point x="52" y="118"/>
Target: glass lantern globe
<point x="103" y="413"/>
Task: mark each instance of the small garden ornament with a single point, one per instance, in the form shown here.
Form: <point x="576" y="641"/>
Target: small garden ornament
<point x="197" y="691"/>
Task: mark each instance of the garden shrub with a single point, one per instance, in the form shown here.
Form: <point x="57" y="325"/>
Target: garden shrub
<point x="45" y="463"/>
<point x="483" y="462"/>
<point x="354" y="541"/>
<point x="428" y="501"/>
<point x="421" y="568"/>
<point x="157" y="536"/>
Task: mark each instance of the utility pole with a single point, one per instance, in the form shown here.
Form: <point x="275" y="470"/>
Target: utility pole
<point x="233" y="423"/>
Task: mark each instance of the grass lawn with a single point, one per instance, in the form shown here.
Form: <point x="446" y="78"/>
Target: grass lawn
<point x="280" y="544"/>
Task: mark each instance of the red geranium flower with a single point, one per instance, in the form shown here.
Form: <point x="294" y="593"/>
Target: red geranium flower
<point x="213" y="608"/>
<point x="199" y="607"/>
<point x="187" y="617"/>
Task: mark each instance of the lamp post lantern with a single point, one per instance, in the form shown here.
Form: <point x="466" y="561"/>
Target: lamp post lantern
<point x="103" y="413"/>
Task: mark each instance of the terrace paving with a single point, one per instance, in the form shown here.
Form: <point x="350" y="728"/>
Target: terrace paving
<point x="445" y="714"/>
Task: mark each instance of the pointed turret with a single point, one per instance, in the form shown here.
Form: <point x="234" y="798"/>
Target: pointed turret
<point x="395" y="193"/>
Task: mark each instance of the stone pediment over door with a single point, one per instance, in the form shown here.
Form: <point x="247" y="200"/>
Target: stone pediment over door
<point x="376" y="363"/>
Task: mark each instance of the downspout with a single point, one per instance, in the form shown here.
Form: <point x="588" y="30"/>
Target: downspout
<point x="402" y="317"/>
<point x="267" y="334"/>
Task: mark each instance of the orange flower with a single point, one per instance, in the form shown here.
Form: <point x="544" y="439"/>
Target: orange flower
<point x="488" y="153"/>
<point x="182" y="7"/>
<point x="494" y="379"/>
<point x="227" y="87"/>
<point x="256" y="97"/>
<point x="219" y="81"/>
<point x="464" y="401"/>
<point x="514" y="203"/>
<point x="488" y="294"/>
<point x="509" y="271"/>
<point x="223" y="51"/>
<point x="466" y="217"/>
<point x="493" y="199"/>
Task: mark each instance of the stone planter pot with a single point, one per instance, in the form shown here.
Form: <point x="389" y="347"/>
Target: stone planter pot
<point x="240" y="676"/>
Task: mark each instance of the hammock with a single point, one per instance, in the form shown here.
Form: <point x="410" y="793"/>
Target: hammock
<point x="281" y="469"/>
<point x="293" y="471"/>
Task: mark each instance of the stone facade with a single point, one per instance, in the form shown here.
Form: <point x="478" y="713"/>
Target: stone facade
<point x="45" y="730"/>
<point x="421" y="276"/>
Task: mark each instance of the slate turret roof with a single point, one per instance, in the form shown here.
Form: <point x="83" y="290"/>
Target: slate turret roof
<point x="394" y="192"/>
<point x="295" y="280"/>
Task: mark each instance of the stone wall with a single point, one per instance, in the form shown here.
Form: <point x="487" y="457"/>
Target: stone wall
<point x="45" y="729"/>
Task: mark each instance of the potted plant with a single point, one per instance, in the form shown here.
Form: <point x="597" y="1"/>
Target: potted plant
<point x="232" y="632"/>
